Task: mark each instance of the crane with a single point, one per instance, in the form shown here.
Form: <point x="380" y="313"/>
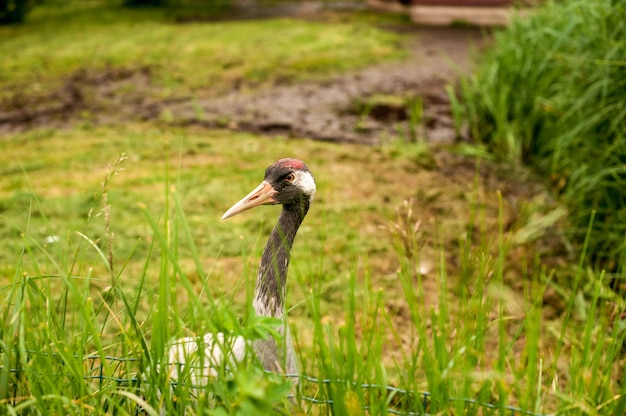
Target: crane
<point x="290" y="183"/>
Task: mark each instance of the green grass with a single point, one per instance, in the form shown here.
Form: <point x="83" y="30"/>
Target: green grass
<point x="550" y="93"/>
<point x="177" y="270"/>
<point x="410" y="271"/>
<point x="182" y="57"/>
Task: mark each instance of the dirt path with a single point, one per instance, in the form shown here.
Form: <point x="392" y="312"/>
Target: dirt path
<point x="336" y="109"/>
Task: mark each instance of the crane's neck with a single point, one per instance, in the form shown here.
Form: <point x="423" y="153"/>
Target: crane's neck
<point x="269" y="295"/>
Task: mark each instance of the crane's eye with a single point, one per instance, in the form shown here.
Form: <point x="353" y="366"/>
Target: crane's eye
<point x="290" y="177"/>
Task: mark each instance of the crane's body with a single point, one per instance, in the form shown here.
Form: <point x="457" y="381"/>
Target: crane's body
<point x="290" y="183"/>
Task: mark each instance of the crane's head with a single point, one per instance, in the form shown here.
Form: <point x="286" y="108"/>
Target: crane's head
<point x="287" y="182"/>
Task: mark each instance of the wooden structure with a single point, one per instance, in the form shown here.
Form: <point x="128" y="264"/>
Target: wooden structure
<point x="462" y="3"/>
<point x="447" y="12"/>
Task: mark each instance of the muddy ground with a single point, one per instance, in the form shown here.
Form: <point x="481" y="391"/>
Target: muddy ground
<point x="336" y="109"/>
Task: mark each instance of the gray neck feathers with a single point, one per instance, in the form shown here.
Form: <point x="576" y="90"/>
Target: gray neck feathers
<point x="269" y="295"/>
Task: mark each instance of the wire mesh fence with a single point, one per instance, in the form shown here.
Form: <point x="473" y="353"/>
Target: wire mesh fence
<point x="396" y="398"/>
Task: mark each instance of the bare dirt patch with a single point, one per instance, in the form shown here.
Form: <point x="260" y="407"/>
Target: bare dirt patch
<point x="328" y="110"/>
<point x="323" y="110"/>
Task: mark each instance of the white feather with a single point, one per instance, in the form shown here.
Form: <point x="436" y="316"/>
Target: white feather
<point x="305" y="181"/>
<point x="218" y="352"/>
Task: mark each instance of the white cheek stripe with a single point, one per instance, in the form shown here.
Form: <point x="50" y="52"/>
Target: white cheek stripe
<point x="305" y="181"/>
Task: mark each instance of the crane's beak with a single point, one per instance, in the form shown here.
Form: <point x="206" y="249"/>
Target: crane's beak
<point x="261" y="195"/>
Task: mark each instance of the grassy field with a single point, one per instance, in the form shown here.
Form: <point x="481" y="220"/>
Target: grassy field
<point x="183" y="57"/>
<point x="443" y="276"/>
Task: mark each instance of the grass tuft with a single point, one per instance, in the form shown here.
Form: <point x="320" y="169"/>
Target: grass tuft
<point x="550" y="93"/>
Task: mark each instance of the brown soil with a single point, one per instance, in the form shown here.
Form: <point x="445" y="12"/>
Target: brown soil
<point x="330" y="110"/>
